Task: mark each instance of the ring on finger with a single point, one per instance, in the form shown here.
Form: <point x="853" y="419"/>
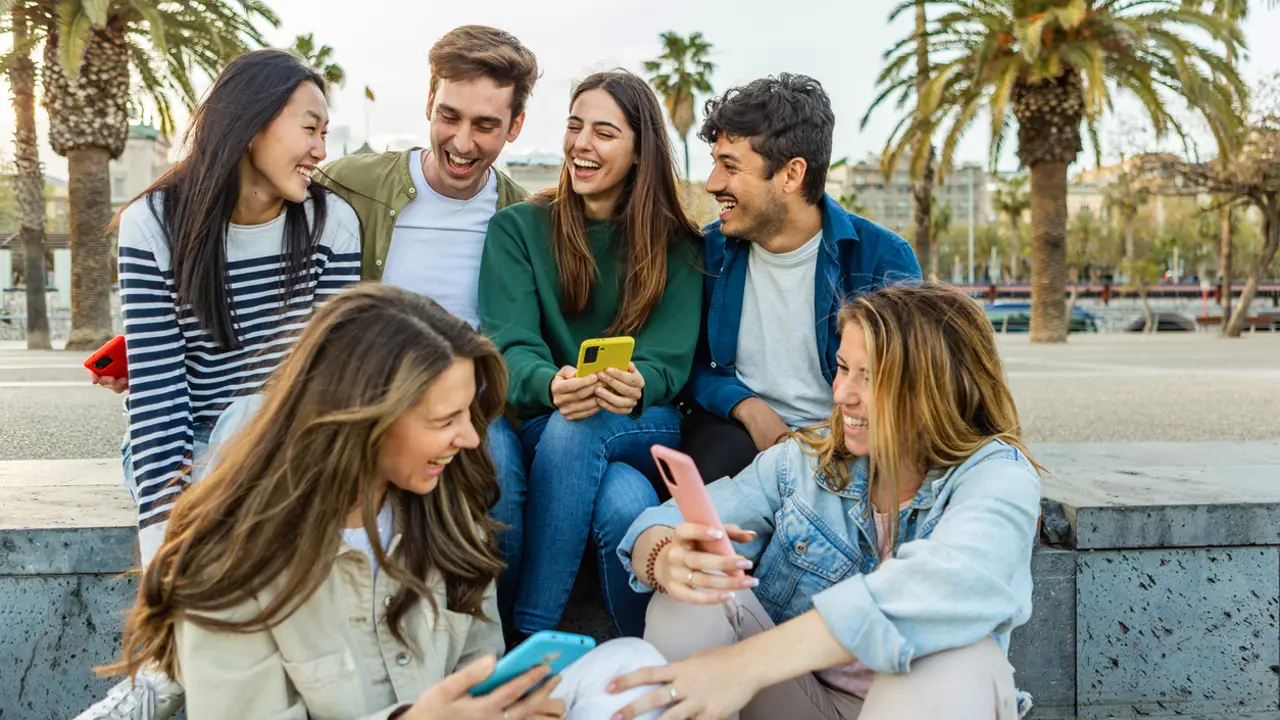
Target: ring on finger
<point x="675" y="695"/>
<point x="692" y="585"/>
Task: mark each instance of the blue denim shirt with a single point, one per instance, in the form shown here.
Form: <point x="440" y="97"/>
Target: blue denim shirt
<point x="857" y="256"/>
<point x="961" y="569"/>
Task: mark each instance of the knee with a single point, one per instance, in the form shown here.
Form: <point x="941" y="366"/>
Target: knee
<point x="624" y="494"/>
<point x="623" y="655"/>
<point x="679" y="629"/>
<point x="561" y="432"/>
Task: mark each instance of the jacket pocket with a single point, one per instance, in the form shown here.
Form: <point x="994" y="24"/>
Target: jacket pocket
<point x="804" y="558"/>
<point x="329" y="686"/>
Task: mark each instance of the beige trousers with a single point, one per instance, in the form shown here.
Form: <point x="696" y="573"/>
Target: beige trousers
<point x="969" y="683"/>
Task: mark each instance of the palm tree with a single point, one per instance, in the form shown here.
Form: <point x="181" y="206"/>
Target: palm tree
<point x="93" y="48"/>
<point x="28" y="177"/>
<point x="923" y="165"/>
<point x="1011" y="200"/>
<point x="939" y="225"/>
<point x="318" y="58"/>
<point x="1051" y="65"/>
<point x="678" y="74"/>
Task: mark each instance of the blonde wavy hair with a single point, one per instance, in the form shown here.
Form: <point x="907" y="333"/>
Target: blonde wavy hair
<point x="937" y="383"/>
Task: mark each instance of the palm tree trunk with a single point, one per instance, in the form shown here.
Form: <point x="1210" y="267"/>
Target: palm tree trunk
<point x="29" y="187"/>
<point x="1048" y="252"/>
<point x="1271" y="227"/>
<point x="1015" y="244"/>
<point x="1224" y="262"/>
<point x="90" y="186"/>
<point x="922" y="189"/>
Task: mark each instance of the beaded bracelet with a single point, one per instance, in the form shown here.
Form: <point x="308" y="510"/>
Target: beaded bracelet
<point x="653" y="558"/>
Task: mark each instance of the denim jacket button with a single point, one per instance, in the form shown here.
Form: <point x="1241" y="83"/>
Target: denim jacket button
<point x="402" y="659"/>
<point x="801" y="547"/>
<point x="713" y="364"/>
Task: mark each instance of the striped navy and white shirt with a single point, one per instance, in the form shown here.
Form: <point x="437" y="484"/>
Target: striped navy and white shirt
<point x="178" y="377"/>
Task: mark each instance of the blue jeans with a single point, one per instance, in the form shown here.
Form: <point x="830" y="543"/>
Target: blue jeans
<point x="200" y="445"/>
<point x="587" y="480"/>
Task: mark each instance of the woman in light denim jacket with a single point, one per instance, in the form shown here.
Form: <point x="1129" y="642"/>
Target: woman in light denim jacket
<point x="852" y="612"/>
<point x="338" y="561"/>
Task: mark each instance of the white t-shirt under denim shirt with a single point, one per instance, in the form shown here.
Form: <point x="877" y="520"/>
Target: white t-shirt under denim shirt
<point x="777" y="344"/>
<point x="437" y="242"/>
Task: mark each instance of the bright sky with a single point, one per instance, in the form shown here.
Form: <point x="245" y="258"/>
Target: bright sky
<point x="384" y="44"/>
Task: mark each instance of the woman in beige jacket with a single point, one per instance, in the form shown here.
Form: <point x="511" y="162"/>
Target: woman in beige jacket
<point x="338" y="561"/>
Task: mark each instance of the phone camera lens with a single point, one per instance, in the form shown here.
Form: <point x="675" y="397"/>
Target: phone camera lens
<point x="592" y="353"/>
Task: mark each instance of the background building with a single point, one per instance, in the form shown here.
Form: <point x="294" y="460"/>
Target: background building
<point x="889" y="202"/>
<point x="145" y="158"/>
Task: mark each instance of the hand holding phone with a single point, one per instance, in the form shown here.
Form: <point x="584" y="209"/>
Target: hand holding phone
<point x="449" y="699"/>
<point x="110" y="360"/>
<point x="702" y="557"/>
<point x="555" y="650"/>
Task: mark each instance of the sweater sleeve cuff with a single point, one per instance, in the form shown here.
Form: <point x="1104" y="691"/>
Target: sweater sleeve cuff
<point x="541" y="379"/>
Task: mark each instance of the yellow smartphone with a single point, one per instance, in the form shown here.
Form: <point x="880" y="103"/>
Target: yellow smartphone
<point x="600" y="353"/>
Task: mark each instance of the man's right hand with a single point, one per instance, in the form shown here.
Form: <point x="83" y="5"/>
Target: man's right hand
<point x="115" y="385"/>
<point x="573" y="396"/>
<point x="762" y="421"/>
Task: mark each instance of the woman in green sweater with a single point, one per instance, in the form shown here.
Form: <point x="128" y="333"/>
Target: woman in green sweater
<point x="608" y="252"/>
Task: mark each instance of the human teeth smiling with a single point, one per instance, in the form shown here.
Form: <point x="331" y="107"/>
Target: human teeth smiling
<point x="856" y="423"/>
<point x="461" y="161"/>
<point x="727" y="205"/>
<point x="305" y="171"/>
<point x="440" y="462"/>
<point x="589" y="164"/>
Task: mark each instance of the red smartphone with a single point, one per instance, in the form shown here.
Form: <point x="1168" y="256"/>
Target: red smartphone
<point x="110" y="359"/>
<point x="682" y="478"/>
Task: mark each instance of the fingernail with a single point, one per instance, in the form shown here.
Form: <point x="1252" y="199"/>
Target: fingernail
<point x="751" y="582"/>
<point x="610" y="688"/>
<point x="714" y="533"/>
<point x="617" y="716"/>
<point x="744" y="564"/>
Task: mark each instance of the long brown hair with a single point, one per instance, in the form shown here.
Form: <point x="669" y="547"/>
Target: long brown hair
<point x="194" y="200"/>
<point x="651" y="218"/>
<point x="937" y="384"/>
<point x="271" y="508"/>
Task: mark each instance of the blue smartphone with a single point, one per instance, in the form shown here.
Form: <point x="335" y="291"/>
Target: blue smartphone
<point x="557" y="649"/>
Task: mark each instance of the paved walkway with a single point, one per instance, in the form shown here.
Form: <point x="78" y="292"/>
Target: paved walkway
<point x="1096" y="388"/>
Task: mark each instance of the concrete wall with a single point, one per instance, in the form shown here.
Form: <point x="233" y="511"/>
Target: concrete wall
<point x="61" y="595"/>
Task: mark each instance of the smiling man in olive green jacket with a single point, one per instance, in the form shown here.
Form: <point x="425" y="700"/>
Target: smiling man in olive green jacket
<point x="424" y="211"/>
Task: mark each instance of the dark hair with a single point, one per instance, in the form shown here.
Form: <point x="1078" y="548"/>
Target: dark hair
<point x="785" y="117"/>
<point x="200" y="192"/>
<point x="473" y="51"/>
<point x="271" y="507"/>
<point x="651" y="216"/>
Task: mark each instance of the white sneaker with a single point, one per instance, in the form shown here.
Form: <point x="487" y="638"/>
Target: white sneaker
<point x="151" y="696"/>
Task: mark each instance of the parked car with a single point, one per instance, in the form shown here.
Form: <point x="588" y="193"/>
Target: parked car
<point x="1165" y="322"/>
<point x="1015" y="317"/>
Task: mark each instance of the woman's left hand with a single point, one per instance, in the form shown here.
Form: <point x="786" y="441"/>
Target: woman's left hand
<point x="619" y="392"/>
<point x="714" y="683"/>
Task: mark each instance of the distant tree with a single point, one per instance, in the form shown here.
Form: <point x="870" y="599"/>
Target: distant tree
<point x="1011" y="199"/>
<point x="678" y="75"/>
<point x="318" y="58"/>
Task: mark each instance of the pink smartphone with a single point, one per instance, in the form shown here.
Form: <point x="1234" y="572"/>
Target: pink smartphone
<point x="684" y="481"/>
